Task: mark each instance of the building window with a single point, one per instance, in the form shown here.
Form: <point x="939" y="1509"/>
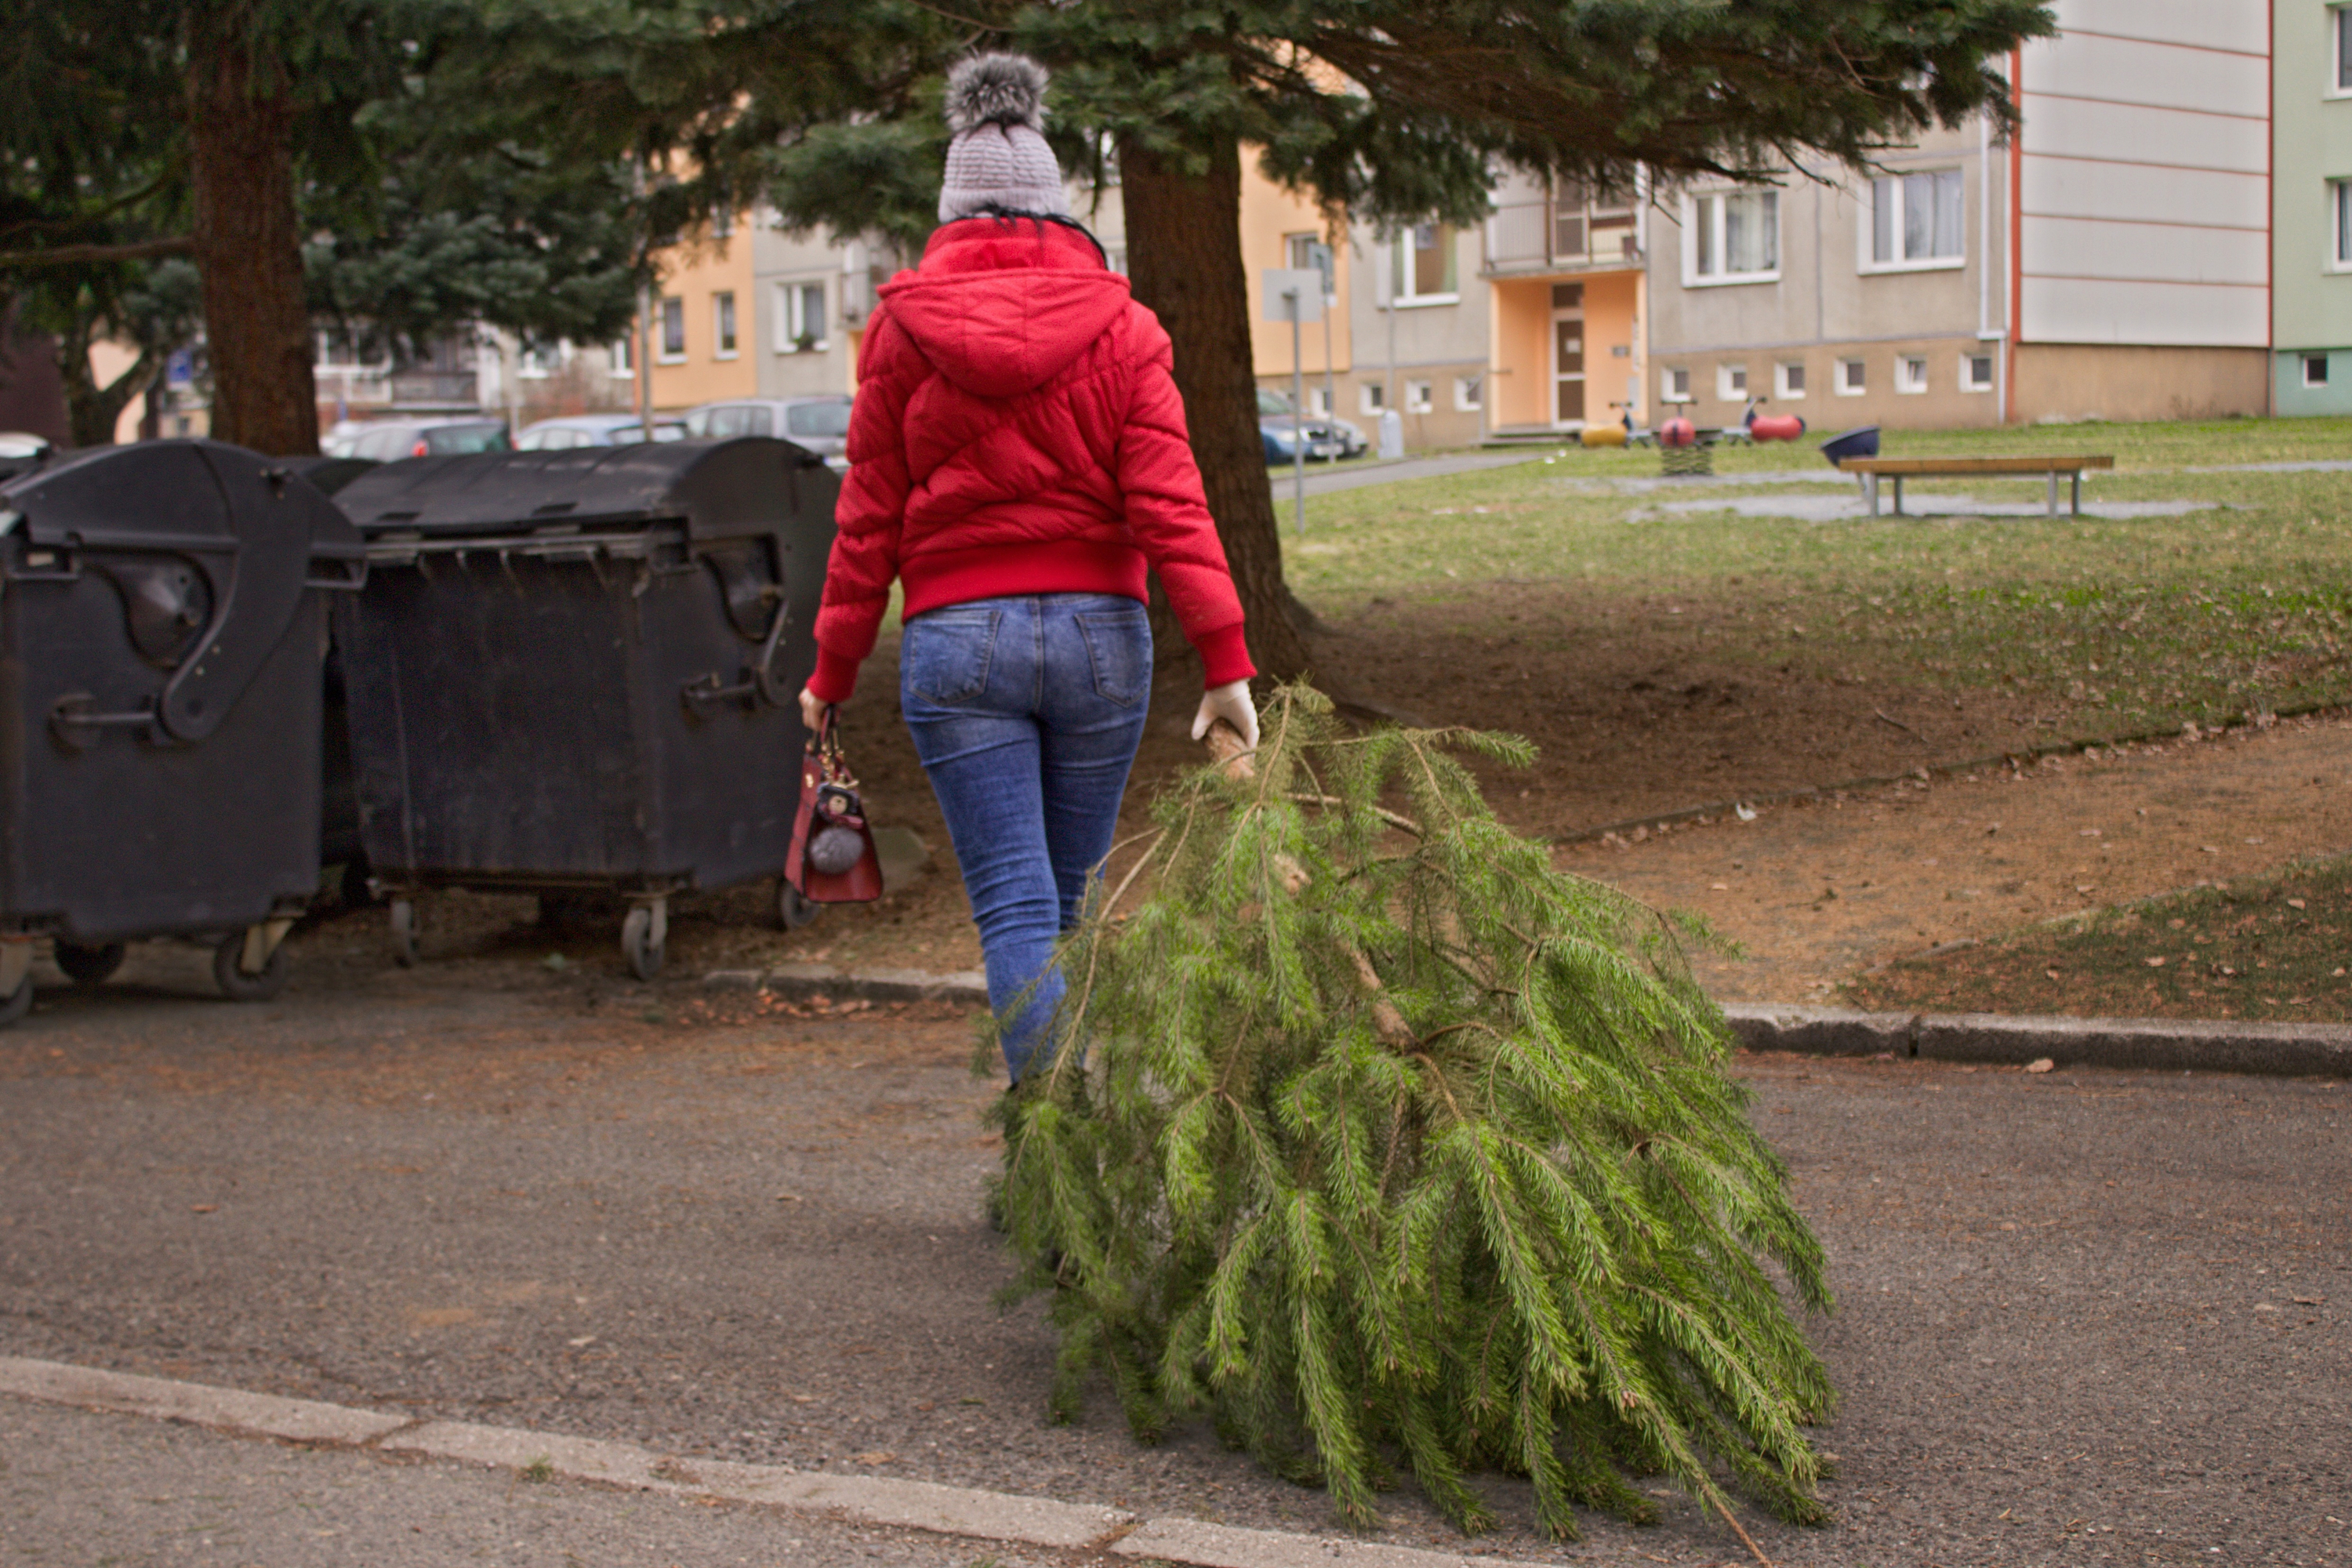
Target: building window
<point x="722" y="323"/>
<point x="1915" y="220"/>
<point x="1372" y="397"/>
<point x="1731" y="383"/>
<point x="1674" y="387"/>
<point x="722" y="222"/>
<point x="1731" y="237"/>
<point x="537" y="361"/>
<point x="1422" y="266"/>
<point x="2342" y="17"/>
<point x="2339" y="198"/>
<point x="1469" y="393"/>
<point x="2315" y="370"/>
<point x="1789" y="379"/>
<point x="623" y="356"/>
<point x="1850" y="381"/>
<point x="1417" y="399"/>
<point x="1976" y="372"/>
<point x="1308" y="252"/>
<point x="1319" y="402"/>
<point x="1910" y="372"/>
<point x="799" y="318"/>
<point x="673" y="328"/>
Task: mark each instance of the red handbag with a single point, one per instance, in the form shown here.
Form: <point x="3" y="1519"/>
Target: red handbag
<point x="833" y="859"/>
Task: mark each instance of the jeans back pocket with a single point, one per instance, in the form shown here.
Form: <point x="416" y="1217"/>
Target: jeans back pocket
<point x="1118" y="647"/>
<point x="946" y="653"/>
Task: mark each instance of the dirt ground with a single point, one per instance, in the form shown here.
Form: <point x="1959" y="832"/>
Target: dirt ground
<point x="1633" y="720"/>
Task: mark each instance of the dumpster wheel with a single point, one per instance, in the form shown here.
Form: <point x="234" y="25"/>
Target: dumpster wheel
<point x="241" y="984"/>
<point x="89" y="965"/>
<point x="794" y="908"/>
<point x="645" y="935"/>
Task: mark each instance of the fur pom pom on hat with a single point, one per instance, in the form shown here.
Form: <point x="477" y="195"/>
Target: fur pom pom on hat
<point x="999" y="160"/>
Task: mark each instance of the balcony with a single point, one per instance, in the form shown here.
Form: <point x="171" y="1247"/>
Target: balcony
<point x="1534" y="233"/>
<point x="427" y="388"/>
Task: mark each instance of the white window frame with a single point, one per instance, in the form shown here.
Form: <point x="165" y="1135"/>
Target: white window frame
<point x="1419" y="397"/>
<point x="2339" y="222"/>
<point x="725" y="324"/>
<point x="663" y="353"/>
<point x="621" y="355"/>
<point x="1372" y="397"/>
<point x="2306" y="361"/>
<point x="1717" y="275"/>
<point x="1855" y="385"/>
<point x="1866" y="230"/>
<point x="1910" y="374"/>
<point x="1469" y="393"/>
<point x="1319" y="402"/>
<point x="1397" y="261"/>
<point x="1969" y="382"/>
<point x="2339" y="51"/>
<point x="1674" y="385"/>
<point x="1782" y="388"/>
<point x="1731" y="382"/>
<point x="791" y="315"/>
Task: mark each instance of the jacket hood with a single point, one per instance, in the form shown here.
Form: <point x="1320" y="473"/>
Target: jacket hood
<point x="1003" y="306"/>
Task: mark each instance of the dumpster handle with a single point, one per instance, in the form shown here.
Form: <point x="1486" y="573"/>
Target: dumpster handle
<point x="762" y="683"/>
<point x="73" y="719"/>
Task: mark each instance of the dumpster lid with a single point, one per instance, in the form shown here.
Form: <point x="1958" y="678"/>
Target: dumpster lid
<point x="716" y="489"/>
<point x="202" y="496"/>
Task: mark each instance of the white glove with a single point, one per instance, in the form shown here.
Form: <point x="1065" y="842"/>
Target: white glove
<point x="813" y="709"/>
<point x="1232" y="703"/>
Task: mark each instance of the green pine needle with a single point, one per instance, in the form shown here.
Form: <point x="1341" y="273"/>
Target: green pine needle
<point x="1384" y="1143"/>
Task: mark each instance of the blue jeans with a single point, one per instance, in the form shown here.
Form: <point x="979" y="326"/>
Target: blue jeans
<point x="1026" y="713"/>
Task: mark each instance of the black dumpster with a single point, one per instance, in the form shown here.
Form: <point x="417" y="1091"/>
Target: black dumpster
<point x="159" y="644"/>
<point x="577" y="671"/>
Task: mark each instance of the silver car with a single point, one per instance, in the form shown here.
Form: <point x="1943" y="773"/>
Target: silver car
<point x="594" y="430"/>
<point x="821" y="425"/>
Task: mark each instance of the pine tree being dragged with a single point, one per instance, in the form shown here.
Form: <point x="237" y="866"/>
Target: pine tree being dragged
<point x="1390" y="1145"/>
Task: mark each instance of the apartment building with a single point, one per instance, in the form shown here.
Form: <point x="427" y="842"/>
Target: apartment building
<point x="1567" y="303"/>
<point x="2110" y="262"/>
<point x="2311" y="214"/>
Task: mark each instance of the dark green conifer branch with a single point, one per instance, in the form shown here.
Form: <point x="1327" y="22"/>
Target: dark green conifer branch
<point x="1384" y="1141"/>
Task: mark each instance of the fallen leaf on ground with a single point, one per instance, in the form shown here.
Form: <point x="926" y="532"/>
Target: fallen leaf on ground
<point x="2040" y="1064"/>
<point x="2294" y="903"/>
<point x="875" y="1457"/>
<point x="202" y="1208"/>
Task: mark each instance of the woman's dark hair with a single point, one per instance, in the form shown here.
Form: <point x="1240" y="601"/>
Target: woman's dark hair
<point x="1006" y="217"/>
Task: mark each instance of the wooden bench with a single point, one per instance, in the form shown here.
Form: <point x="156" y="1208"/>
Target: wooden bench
<point x="1900" y="469"/>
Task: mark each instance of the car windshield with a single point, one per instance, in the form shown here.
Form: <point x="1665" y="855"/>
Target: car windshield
<point x="449" y="439"/>
<point x="631" y="435"/>
<point x="817" y="419"/>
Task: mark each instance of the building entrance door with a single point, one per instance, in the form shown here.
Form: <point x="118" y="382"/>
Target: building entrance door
<point x="1568" y="354"/>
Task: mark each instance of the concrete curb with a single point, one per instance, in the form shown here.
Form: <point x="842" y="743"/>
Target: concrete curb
<point x="2143" y="1045"/>
<point x="879" y="1500"/>
<point x="2166" y="1045"/>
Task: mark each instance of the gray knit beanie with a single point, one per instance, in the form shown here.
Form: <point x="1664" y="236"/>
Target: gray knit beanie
<point x="998" y="158"/>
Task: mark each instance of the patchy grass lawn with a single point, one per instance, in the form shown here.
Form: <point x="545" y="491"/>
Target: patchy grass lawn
<point x="2100" y="626"/>
<point x="2273" y="947"/>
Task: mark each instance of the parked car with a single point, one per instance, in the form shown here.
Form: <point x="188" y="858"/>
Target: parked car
<point x="819" y="424"/>
<point x="387" y="440"/>
<point x="594" y="430"/>
<point x="20" y="452"/>
<point x="1277" y="428"/>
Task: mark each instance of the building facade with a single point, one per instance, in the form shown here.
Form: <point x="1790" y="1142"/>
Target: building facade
<point x="1566" y="306"/>
<point x="2310" y="212"/>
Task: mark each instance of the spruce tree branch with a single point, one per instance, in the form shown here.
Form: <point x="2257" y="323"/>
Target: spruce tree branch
<point x="83" y="255"/>
<point x="1382" y="812"/>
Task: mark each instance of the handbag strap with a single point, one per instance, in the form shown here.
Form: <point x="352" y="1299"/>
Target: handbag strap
<point x="825" y="745"/>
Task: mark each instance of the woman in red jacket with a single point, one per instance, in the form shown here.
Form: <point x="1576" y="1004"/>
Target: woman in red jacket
<point x="1018" y="461"/>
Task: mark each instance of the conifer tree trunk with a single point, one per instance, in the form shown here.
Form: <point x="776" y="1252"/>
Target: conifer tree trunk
<point x="1184" y="258"/>
<point x="248" y="244"/>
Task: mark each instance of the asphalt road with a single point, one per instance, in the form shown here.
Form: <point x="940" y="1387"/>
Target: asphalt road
<point x="2086" y="1318"/>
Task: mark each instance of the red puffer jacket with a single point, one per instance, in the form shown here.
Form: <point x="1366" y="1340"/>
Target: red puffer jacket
<point x="1018" y="430"/>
